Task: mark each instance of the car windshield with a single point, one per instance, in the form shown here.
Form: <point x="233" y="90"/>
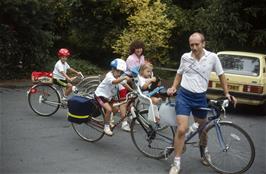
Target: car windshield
<point x="241" y="65"/>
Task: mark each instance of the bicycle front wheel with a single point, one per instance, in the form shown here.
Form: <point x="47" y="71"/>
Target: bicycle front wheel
<point x="149" y="138"/>
<point x="230" y="148"/>
<point x="43" y="99"/>
<point x="92" y="130"/>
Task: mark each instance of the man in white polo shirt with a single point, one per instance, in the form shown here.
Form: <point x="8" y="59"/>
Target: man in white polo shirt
<point x="193" y="77"/>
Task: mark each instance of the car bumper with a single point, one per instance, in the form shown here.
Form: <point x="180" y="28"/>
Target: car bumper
<point x="242" y="98"/>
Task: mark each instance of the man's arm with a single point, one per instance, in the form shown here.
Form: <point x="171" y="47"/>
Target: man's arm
<point x="223" y="82"/>
<point x="176" y="83"/>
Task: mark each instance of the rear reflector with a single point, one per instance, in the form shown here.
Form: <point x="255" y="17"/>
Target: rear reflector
<point x="33" y="90"/>
<point x="253" y="89"/>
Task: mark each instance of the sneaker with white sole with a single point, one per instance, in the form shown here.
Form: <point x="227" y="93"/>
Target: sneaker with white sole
<point x="174" y="169"/>
<point x="108" y="131"/>
<point x="125" y="126"/>
<point x="75" y="89"/>
<point x="206" y="159"/>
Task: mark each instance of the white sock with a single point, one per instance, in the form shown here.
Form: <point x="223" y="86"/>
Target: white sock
<point x="106" y="126"/>
<point x="177" y="161"/>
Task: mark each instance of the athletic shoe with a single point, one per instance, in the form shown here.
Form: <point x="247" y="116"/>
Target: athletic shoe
<point x="125" y="126"/>
<point x="206" y="159"/>
<point x="108" y="131"/>
<point x="174" y="169"/>
<point x="75" y="89"/>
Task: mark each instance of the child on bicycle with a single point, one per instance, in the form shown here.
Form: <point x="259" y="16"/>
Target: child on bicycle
<point x="108" y="88"/>
<point x="61" y="68"/>
<point x="147" y="83"/>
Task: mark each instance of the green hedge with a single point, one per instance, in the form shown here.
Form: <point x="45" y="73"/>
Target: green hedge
<point x="86" y="67"/>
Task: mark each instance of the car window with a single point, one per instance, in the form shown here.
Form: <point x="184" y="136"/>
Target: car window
<point x="242" y="65"/>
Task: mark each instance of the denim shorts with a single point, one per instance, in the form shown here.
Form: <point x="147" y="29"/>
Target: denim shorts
<point x="188" y="102"/>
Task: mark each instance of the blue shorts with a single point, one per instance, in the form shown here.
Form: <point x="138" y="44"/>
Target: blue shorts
<point x="188" y="102"/>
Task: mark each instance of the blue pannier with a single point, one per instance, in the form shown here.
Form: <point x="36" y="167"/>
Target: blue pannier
<point x="80" y="109"/>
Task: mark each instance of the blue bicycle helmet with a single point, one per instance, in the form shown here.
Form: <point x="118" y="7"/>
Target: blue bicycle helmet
<point x="119" y="64"/>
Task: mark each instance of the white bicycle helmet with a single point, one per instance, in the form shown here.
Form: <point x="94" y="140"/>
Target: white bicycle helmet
<point x="119" y="64"/>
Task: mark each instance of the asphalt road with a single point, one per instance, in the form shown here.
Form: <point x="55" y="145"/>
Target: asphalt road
<point x="31" y="144"/>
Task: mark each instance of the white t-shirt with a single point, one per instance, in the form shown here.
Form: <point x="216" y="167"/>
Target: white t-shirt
<point x="58" y="68"/>
<point x="141" y="83"/>
<point x="106" y="89"/>
<point x="196" y="74"/>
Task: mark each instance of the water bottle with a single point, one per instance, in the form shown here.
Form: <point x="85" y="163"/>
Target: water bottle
<point x="193" y="128"/>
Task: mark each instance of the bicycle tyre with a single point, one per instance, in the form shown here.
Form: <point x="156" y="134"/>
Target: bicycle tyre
<point x="92" y="130"/>
<point x="150" y="140"/>
<point x="44" y="99"/>
<point x="86" y="84"/>
<point x="91" y="89"/>
<point x="239" y="154"/>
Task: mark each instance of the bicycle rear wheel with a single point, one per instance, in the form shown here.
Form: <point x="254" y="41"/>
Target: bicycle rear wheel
<point x="92" y="130"/>
<point x="44" y="99"/>
<point x="238" y="152"/>
<point x="88" y="90"/>
<point x="86" y="84"/>
<point x="149" y="138"/>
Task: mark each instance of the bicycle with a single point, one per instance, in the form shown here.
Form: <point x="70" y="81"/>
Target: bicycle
<point x="230" y="148"/>
<point x="93" y="129"/>
<point x="46" y="98"/>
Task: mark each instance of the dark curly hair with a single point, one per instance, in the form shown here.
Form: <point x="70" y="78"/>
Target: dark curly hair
<point x="135" y="45"/>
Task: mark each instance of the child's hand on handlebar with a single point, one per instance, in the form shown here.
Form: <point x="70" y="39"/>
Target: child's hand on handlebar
<point x="80" y="74"/>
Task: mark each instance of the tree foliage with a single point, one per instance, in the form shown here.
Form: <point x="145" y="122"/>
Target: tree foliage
<point x="148" y="23"/>
<point x="31" y="31"/>
<point x="26" y="36"/>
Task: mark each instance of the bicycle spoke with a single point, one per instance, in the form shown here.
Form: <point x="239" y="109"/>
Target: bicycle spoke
<point x="238" y="154"/>
<point x="149" y="140"/>
<point x="43" y="99"/>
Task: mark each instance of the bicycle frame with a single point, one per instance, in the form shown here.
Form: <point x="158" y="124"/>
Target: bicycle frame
<point x="213" y="119"/>
<point x="117" y="103"/>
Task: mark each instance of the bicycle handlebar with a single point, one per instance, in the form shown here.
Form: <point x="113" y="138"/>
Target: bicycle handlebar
<point x="81" y="75"/>
<point x="129" y="96"/>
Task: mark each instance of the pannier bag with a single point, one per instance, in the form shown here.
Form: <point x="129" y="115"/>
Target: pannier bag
<point x="42" y="77"/>
<point x="167" y="114"/>
<point x="80" y="109"/>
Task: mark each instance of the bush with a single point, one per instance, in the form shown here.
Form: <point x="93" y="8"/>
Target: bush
<point x="86" y="67"/>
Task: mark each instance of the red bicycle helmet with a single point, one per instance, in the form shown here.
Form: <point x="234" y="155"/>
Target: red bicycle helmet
<point x="63" y="52"/>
